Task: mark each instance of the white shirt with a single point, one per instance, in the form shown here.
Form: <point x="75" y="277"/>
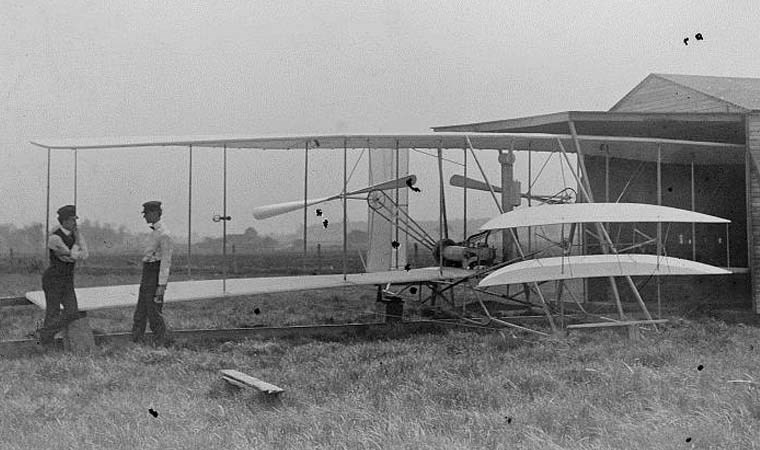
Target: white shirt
<point x="159" y="247"/>
<point x="77" y="253"/>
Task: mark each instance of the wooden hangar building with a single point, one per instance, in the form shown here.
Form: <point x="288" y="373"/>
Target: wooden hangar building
<point x="682" y="107"/>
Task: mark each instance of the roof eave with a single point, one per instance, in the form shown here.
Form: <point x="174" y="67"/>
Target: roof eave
<point x="493" y="125"/>
<point x="590" y="116"/>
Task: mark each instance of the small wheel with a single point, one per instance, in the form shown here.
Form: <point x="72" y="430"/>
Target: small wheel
<point x="376" y="200"/>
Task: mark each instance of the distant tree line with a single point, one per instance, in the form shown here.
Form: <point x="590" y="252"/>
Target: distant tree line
<point x="21" y="240"/>
<point x="248" y="242"/>
<point x="109" y="239"/>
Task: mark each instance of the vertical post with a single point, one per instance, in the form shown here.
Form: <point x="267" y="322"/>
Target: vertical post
<point x="606" y="174"/>
<point x="345" y="212"/>
<point x="508" y="237"/>
<point x="606" y="180"/>
<point x="189" y="209"/>
<point x="47" y="208"/>
<point x="581" y="234"/>
<point x="693" y="208"/>
<point x="224" y="221"/>
<point x="305" y="196"/>
<point x="530" y="229"/>
<point x="464" y="232"/>
<point x="442" y="194"/>
<point x="76" y="172"/>
<point x="750" y="240"/>
<point x="728" y="250"/>
<point x="659" y="227"/>
<point x="396" y="212"/>
<point x="507" y="161"/>
<point x="530" y="194"/>
<point x="441" y="214"/>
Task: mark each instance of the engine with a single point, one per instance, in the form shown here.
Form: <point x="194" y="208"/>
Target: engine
<point x="470" y="253"/>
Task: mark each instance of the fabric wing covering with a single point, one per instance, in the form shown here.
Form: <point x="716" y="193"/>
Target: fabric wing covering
<point x="596" y="212"/>
<point x="591" y="266"/>
<point x="126" y="295"/>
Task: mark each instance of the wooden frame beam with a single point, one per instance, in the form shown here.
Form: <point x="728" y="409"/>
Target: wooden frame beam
<point x="590" y="116"/>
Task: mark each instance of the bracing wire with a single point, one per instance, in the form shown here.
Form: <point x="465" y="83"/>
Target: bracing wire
<point x="535" y="179"/>
<point x="351" y="174"/>
<point x="562" y="171"/>
<point x="456" y="163"/>
<point x="630" y="180"/>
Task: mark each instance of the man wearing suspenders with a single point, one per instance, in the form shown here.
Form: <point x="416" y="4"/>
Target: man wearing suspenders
<point x="66" y="246"/>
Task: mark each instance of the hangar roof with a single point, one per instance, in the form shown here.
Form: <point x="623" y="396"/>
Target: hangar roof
<point x="710" y="127"/>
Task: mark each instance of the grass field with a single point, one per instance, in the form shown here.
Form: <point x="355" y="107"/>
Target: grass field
<point x="691" y="385"/>
<point x="298" y="308"/>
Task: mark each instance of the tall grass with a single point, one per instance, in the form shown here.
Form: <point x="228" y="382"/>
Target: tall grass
<point x="695" y="380"/>
<point x="453" y="390"/>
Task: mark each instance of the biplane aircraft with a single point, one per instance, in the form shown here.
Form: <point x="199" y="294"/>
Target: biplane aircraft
<point x="471" y="262"/>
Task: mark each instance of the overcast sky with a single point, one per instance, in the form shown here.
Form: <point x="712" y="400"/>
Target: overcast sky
<point x="82" y="69"/>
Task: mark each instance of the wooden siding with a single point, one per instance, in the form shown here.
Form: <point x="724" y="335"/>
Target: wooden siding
<point x="655" y="94"/>
<point x="753" y="146"/>
<point x="719" y="190"/>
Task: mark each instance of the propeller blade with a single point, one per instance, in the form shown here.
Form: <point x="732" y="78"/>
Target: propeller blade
<point x="460" y="181"/>
<point x="398" y="183"/>
<point x="267" y="211"/>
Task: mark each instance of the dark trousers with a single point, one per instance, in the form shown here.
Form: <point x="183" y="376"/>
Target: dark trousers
<point x="147" y="309"/>
<point x="59" y="291"/>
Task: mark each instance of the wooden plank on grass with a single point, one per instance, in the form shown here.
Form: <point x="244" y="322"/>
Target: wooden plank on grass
<point x="241" y="379"/>
<point x="14" y="301"/>
<point x="616" y="324"/>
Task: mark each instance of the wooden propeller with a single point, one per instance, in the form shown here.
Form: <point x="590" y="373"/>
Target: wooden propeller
<point x="267" y="211"/>
<point x="460" y="181"/>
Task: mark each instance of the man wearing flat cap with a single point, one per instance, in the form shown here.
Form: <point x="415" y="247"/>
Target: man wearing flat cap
<point x="157" y="260"/>
<point x="66" y="246"/>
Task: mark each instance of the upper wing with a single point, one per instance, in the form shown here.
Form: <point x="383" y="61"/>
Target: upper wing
<point x="644" y="149"/>
<point x="126" y="295"/>
<point x="596" y="212"/>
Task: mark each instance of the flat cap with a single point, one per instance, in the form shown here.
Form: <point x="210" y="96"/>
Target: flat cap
<point x="153" y="205"/>
<point x="66" y="211"/>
